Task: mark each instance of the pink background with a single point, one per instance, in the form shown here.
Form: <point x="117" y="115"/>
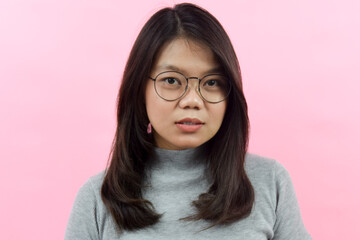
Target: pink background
<point x="60" y="68"/>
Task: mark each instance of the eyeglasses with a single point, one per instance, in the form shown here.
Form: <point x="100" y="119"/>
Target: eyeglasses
<point x="172" y="85"/>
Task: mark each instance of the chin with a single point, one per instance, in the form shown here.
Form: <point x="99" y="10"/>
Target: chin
<point x="180" y="142"/>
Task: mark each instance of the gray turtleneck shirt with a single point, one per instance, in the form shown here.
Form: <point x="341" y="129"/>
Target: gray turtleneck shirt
<point x="176" y="178"/>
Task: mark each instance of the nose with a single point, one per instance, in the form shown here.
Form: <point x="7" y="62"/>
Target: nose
<point x="192" y="98"/>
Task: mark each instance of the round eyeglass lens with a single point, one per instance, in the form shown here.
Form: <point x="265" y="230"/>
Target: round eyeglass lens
<point x="214" y="88"/>
<point x="170" y="85"/>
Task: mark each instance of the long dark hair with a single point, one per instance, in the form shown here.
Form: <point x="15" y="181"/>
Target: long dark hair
<point x="231" y="195"/>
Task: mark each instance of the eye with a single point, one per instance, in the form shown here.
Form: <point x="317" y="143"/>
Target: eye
<point x="171" y="81"/>
<point x="211" y="83"/>
<point x="214" y="83"/>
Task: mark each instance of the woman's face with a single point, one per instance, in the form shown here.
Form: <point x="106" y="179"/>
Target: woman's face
<point x="189" y="121"/>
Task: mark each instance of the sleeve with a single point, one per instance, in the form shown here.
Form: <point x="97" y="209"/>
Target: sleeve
<point x="288" y="224"/>
<point x="82" y="223"/>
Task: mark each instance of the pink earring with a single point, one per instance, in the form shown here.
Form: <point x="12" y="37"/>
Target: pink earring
<point x="149" y="129"/>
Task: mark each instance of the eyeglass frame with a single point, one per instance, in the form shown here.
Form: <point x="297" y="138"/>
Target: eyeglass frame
<point x="187" y="84"/>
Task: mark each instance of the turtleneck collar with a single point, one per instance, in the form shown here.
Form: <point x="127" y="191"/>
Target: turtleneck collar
<point x="176" y="169"/>
<point x="179" y="159"/>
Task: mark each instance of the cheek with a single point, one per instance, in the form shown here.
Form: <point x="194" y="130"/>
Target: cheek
<point x="218" y="113"/>
<point x="149" y="100"/>
<point x="156" y="109"/>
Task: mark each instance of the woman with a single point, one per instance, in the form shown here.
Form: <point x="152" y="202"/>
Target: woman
<point x="179" y="167"/>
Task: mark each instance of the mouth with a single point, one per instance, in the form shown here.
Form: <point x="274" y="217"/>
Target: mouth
<point x="190" y="121"/>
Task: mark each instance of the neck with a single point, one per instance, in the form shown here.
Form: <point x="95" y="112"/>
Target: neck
<point x="182" y="159"/>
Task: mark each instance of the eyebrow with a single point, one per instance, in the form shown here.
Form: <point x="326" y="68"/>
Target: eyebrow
<point x="216" y="69"/>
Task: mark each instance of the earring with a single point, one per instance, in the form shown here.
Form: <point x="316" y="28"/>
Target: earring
<point x="149" y="129"/>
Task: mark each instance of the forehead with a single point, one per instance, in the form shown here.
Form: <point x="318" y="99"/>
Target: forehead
<point x="187" y="56"/>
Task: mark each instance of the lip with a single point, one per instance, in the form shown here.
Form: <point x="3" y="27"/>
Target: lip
<point x="189" y="120"/>
<point x="189" y="125"/>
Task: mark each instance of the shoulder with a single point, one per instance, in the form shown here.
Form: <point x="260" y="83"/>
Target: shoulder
<point x="256" y="161"/>
<point x="96" y="180"/>
<point x="93" y="183"/>
<point x="267" y="175"/>
<point x="257" y="166"/>
<point x="89" y="192"/>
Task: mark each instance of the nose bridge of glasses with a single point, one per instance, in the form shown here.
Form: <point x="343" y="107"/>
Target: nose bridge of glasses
<point x="195" y="78"/>
<point x="194" y="85"/>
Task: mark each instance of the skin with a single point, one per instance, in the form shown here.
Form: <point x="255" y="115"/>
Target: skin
<point x="193" y="59"/>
